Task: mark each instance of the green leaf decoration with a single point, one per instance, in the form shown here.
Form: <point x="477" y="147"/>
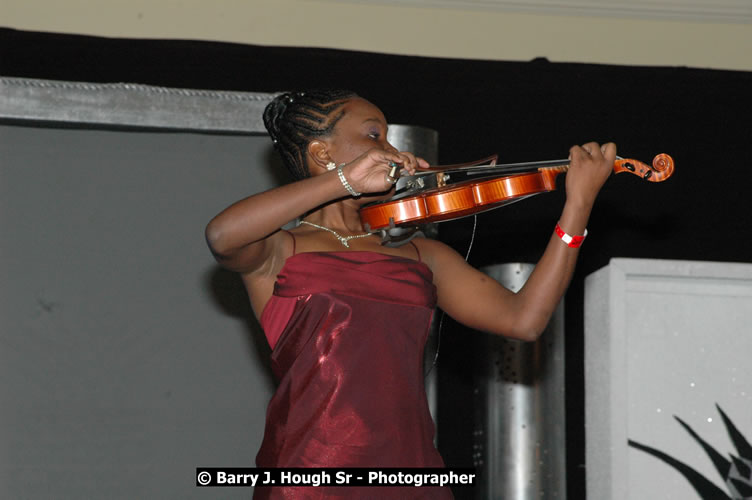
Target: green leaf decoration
<point x="744" y="469"/>
<point x="742" y="445"/>
<point x="736" y="473"/>
<point x="703" y="486"/>
<point x="744" y="489"/>
<point x="721" y="464"/>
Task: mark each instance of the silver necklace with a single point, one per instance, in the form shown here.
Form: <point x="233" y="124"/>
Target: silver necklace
<point x="342" y="239"/>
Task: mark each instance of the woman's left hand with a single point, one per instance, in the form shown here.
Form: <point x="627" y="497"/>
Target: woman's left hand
<point x="590" y="166"/>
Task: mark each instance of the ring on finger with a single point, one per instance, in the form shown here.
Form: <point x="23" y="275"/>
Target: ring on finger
<point x="393" y="171"/>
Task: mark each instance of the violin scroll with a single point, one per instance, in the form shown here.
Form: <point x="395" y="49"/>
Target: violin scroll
<point x="662" y="168"/>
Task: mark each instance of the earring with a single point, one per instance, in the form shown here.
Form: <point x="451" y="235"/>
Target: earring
<point x="331" y="165"/>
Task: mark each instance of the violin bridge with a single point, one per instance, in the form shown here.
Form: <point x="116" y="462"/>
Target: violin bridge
<point x="441" y="179"/>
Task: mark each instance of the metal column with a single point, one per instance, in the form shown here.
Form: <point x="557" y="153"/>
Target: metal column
<point x="519" y="445"/>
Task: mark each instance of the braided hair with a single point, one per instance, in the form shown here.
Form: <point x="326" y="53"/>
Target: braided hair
<point x="294" y="119"/>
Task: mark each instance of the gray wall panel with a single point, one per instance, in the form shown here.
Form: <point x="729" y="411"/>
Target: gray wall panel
<point x="127" y="357"/>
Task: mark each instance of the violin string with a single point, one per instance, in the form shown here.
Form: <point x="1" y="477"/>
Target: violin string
<point x="441" y="317"/>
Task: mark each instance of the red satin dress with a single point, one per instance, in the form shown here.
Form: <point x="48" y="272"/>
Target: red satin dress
<point x="347" y="331"/>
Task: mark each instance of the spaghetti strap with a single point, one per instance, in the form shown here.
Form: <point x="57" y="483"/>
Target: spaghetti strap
<point x="416" y="251"/>
<point x="293" y="242"/>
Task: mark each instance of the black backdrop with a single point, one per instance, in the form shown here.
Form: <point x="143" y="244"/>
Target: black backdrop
<point x="522" y="110"/>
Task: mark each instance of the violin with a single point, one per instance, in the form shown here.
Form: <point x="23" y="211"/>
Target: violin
<point x="441" y="193"/>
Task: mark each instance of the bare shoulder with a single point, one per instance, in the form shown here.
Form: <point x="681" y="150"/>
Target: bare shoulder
<point x="469" y="296"/>
<point x="259" y="282"/>
<point x="437" y="254"/>
<point x="451" y="272"/>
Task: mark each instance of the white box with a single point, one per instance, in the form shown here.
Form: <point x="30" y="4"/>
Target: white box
<point x="666" y="339"/>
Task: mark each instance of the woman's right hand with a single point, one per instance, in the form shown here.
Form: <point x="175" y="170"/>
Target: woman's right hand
<point x="368" y="172"/>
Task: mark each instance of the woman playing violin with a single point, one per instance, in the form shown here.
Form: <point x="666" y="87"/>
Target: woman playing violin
<point x="346" y="317"/>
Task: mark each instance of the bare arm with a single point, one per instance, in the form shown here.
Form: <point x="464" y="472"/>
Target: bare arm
<point x="240" y="237"/>
<point x="474" y="299"/>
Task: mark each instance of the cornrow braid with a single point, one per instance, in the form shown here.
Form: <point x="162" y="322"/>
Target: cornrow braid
<point x="294" y="119"/>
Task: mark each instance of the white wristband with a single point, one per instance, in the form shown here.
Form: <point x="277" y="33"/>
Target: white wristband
<point x="571" y="241"/>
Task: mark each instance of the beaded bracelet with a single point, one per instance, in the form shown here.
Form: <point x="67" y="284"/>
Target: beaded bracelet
<point x="347" y="185"/>
<point x="571" y="241"/>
